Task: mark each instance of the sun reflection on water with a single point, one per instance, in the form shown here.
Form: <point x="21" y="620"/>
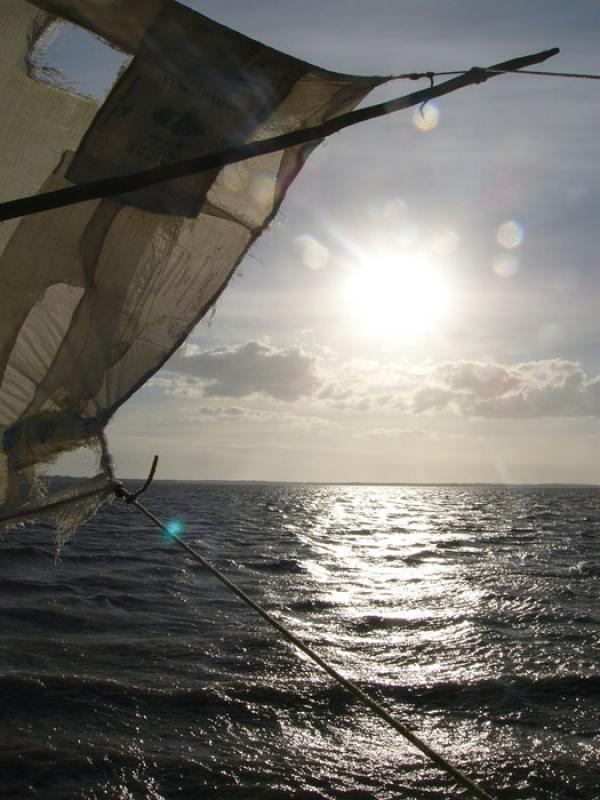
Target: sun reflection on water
<point x="381" y="561"/>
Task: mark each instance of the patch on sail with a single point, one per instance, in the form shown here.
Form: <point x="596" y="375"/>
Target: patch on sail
<point x="95" y="297"/>
<point x="193" y="88"/>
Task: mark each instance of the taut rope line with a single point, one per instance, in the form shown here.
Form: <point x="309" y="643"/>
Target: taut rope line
<point x="459" y="777"/>
<point x="415" y="76"/>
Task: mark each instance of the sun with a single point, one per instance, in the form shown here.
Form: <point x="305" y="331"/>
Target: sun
<point x="400" y="297"/>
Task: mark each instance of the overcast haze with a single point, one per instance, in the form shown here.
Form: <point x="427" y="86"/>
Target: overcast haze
<point x="424" y="306"/>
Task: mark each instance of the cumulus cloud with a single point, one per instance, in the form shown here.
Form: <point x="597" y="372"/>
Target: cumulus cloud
<point x="548" y="388"/>
<point x="286" y="374"/>
<point x="361" y="385"/>
<point x="545" y="388"/>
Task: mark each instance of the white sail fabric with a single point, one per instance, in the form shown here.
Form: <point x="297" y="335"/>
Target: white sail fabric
<point x="95" y="297"/>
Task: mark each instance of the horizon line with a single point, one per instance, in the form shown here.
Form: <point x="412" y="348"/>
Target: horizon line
<point x="534" y="484"/>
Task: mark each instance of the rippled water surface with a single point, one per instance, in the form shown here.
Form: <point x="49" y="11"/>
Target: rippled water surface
<point x="472" y="613"/>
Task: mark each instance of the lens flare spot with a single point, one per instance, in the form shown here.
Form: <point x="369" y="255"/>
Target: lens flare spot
<point x="444" y="243"/>
<point x="400" y="231"/>
<point x="314" y="254"/>
<point x="394" y="210"/>
<point x="174" y="527"/>
<point x="506" y="265"/>
<point x="262" y="189"/>
<point x="234" y="178"/>
<point x="510" y="234"/>
<point x="426" y="118"/>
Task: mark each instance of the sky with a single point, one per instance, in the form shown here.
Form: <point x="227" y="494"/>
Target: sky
<point x="423" y="308"/>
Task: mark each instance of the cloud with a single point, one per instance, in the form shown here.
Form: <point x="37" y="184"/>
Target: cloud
<point x="241" y="414"/>
<point x="362" y="385"/>
<point x="387" y="433"/>
<point x="484" y="389"/>
<point x="548" y="388"/>
<point x="286" y="374"/>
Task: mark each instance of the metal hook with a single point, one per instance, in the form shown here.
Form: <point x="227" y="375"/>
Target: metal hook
<point x="429" y="75"/>
<point x="131" y="497"/>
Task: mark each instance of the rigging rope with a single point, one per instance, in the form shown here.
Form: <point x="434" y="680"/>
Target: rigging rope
<point x="415" y="76"/>
<point x="438" y="759"/>
<point x="109" y="187"/>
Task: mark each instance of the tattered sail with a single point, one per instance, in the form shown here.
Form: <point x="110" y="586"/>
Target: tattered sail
<point x="95" y="297"/>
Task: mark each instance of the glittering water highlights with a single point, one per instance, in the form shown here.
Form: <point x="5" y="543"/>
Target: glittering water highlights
<point x="470" y="612"/>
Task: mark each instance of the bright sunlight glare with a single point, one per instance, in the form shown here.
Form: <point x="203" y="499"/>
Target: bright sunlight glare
<point x="398" y="297"/>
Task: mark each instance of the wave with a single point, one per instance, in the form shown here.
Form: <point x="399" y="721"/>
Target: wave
<point x="52" y="618"/>
<point x="378" y="622"/>
<point x="311" y="604"/>
<point x="281" y="565"/>
<point x="421" y="555"/>
<point x="516" y="691"/>
<point x="65" y="689"/>
<point x="21" y="587"/>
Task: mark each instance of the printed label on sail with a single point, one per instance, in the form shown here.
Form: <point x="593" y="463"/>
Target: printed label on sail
<point x="194" y="87"/>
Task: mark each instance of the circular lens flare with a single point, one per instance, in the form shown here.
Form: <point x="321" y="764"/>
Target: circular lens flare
<point x="314" y="254"/>
<point x="426" y="118"/>
<point x="174" y="527"/>
<point x="510" y="234"/>
<point x="506" y="265"/>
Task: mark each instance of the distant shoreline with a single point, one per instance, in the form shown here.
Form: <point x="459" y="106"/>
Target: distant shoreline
<point x="256" y="482"/>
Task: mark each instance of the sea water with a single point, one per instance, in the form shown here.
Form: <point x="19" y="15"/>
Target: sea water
<point x="471" y="613"/>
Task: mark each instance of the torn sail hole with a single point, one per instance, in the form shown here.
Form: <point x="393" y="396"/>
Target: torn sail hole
<point x="73" y="59"/>
<point x="82" y="462"/>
